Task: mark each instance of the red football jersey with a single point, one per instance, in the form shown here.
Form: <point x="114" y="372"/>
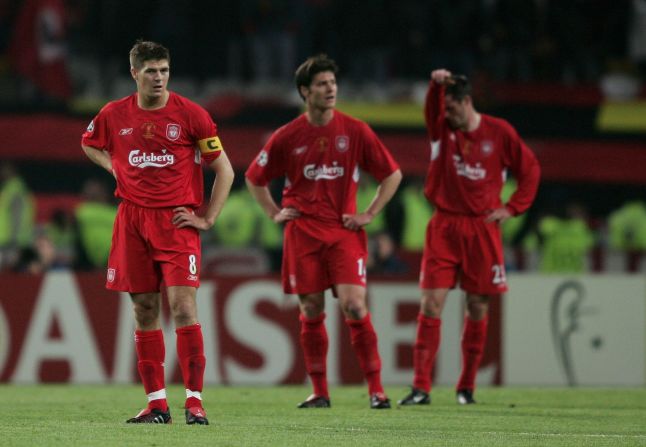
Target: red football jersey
<point x="467" y="169"/>
<point x="156" y="154"/>
<point x="321" y="165"/>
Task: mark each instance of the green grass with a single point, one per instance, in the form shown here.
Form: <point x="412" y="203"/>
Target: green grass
<point x="94" y="416"/>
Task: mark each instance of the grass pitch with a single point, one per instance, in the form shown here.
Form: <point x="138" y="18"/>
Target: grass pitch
<point x="64" y="415"/>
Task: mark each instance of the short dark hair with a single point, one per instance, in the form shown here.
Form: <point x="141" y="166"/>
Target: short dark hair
<point x="311" y="67"/>
<point x="459" y="87"/>
<point x="145" y="50"/>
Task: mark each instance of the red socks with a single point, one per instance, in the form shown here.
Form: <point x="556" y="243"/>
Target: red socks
<point x="150" y="354"/>
<point x="364" y="342"/>
<point x="427" y="343"/>
<point x="314" y="342"/>
<point x="190" y="352"/>
<point x="473" y="342"/>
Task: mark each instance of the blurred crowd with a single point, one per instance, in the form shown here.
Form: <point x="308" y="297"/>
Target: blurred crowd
<point x="77" y="45"/>
<point x="244" y="241"/>
<point x="54" y="50"/>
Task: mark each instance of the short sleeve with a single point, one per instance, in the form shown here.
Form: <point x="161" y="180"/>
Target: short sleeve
<point x="268" y="163"/>
<point x="375" y="157"/>
<point x="96" y="134"/>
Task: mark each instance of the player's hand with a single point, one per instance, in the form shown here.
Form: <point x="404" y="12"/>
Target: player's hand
<point x="286" y="214"/>
<point x="499" y="215"/>
<point x="356" y="221"/>
<point x="441" y="76"/>
<point x="185" y="217"/>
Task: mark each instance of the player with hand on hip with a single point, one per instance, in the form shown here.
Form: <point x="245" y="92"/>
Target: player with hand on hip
<point x="320" y="154"/>
<point x="154" y="143"/>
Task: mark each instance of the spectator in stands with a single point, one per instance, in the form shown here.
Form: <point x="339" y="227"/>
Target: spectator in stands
<point x="61" y="231"/>
<point x="238" y="224"/>
<point x="417" y="213"/>
<point x="627" y="227"/>
<point x="37" y="258"/>
<point x="383" y="258"/>
<point x="94" y="219"/>
<point x="38" y="50"/>
<point x="270" y="32"/>
<point x="565" y="242"/>
<point x="17" y="214"/>
<point x="366" y="191"/>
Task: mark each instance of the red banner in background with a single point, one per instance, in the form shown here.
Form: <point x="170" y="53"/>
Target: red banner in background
<point x="57" y="138"/>
<point x="66" y="327"/>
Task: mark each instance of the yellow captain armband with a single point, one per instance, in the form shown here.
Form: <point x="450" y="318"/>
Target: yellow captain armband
<point x="209" y="145"/>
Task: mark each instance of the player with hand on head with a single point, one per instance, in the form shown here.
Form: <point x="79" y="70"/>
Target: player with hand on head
<point x="320" y="154"/>
<point x="470" y="155"/>
<point x="154" y="142"/>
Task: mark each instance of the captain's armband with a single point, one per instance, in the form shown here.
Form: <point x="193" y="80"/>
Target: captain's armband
<point x="210" y="145"/>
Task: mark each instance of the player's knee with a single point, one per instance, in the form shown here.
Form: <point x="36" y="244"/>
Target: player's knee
<point x="477" y="307"/>
<point x="145" y="315"/>
<point x="184" y="313"/>
<point x="431" y="308"/>
<point x="355" y="309"/>
<point x="311" y="309"/>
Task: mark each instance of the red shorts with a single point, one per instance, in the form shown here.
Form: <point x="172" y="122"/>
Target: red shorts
<point x="147" y="247"/>
<point x="317" y="256"/>
<point x="463" y="248"/>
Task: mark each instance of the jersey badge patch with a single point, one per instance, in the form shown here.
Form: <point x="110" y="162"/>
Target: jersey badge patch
<point x="263" y="158"/>
<point x="322" y="144"/>
<point x="487" y="148"/>
<point x="342" y="143"/>
<point x="173" y="131"/>
<point x="148" y="130"/>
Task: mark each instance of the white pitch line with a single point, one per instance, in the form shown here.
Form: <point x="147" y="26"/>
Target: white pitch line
<point x="497" y="433"/>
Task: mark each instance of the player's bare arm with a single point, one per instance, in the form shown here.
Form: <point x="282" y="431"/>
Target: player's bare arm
<point x="224" y="174"/>
<point x="100" y="157"/>
<point x="262" y="195"/>
<point x="385" y="192"/>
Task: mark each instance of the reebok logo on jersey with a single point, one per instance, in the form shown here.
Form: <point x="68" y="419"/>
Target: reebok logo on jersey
<point x="126" y="131"/>
<point x="466" y="170"/>
<point x="323" y="172"/>
<point x="153" y="159"/>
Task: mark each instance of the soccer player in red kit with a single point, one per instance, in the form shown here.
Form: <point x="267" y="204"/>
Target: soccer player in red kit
<point x="470" y="155"/>
<point x="320" y="154"/>
<point x="153" y="142"/>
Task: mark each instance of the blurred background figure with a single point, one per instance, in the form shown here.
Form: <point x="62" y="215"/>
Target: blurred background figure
<point x="16" y="215"/>
<point x="565" y="241"/>
<point x="383" y="258"/>
<point x="61" y="232"/>
<point x="94" y="219"/>
<point x="38" y="51"/>
<point x="627" y="231"/>
<point x="37" y="258"/>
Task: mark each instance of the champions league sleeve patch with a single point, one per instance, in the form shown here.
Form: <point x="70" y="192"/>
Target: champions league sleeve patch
<point x="210" y="145"/>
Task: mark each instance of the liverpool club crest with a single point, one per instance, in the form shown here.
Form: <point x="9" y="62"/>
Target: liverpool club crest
<point x="342" y="143"/>
<point x="172" y="131"/>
